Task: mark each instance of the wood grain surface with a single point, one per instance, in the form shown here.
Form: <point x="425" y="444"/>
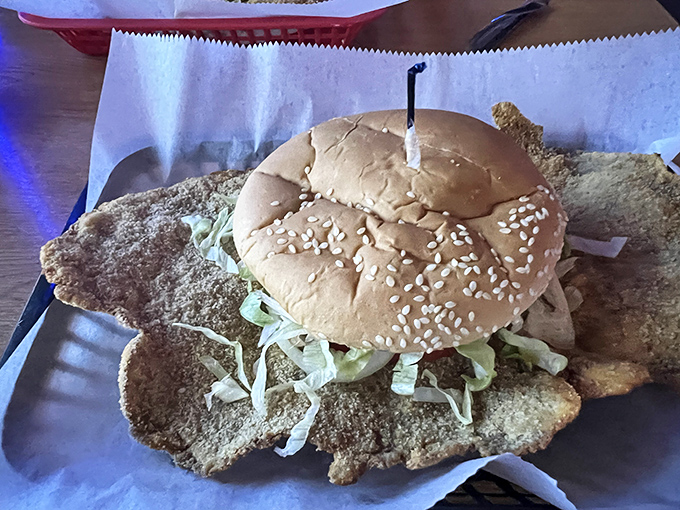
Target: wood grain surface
<point x="49" y="94"/>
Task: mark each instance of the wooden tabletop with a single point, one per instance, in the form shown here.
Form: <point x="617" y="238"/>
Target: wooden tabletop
<point x="49" y="94"/>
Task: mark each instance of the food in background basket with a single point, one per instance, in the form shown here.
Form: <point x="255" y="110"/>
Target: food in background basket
<point x="318" y="271"/>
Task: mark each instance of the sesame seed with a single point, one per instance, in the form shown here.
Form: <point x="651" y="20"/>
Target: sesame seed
<point x="507" y="258"/>
<point x="530" y="218"/>
<point x="311" y="277"/>
<point x="458" y="243"/>
<point x="460" y="227"/>
<point x="428" y="333"/>
<point x="360" y="267"/>
<point x="315" y="243"/>
<point x="467" y="271"/>
<point x="291" y="248"/>
<point x="465" y="258"/>
<point x="336" y="251"/>
<point x="467" y="292"/>
<point x="401" y="318"/>
<point x="327" y="224"/>
<point x="270" y="254"/>
<point x="275" y="203"/>
<point x="374" y="270"/>
<point x="446" y="213"/>
<point x="370" y="277"/>
<point x="458" y="322"/>
<point x="522" y="270"/>
<point x="396" y="328"/>
<point x="339" y="263"/>
<point x="410" y="194"/>
<point x="407" y="329"/>
<point x="520" y="296"/>
<point x="394" y="299"/>
<point x="312" y="219"/>
<point x="307" y="169"/>
<point x="341" y="236"/>
<point x="438" y="345"/>
<point x="388" y="342"/>
<point x="502" y="224"/>
<point x="496" y="290"/>
<point x="419" y="299"/>
<point x="454" y="236"/>
<point x="531" y="241"/>
<point x="303" y="196"/>
<point x="473" y="286"/>
<point x="438" y="258"/>
<point x="402" y="343"/>
<point x="307" y="245"/>
<point x="431" y="267"/>
<point x="479" y="329"/>
<point x="514" y="225"/>
<point x="530" y="258"/>
<point x="516" y="310"/>
<point x="471" y="316"/>
<point x="438" y="285"/>
<point x="408" y="287"/>
<point x="281" y="241"/>
<point x="417" y="323"/>
<point x="486" y="296"/>
<point x="532" y="292"/>
<point x="269" y="231"/>
<point x="361" y="230"/>
<point x="406" y="309"/>
<point x="478" y="294"/>
<point x="524" y="249"/>
<point x="370" y="202"/>
<point x="432" y="245"/>
<point x="493" y="278"/>
<point x="531" y="207"/>
<point x="511" y="298"/>
<point x="280" y="230"/>
<point x="424" y="320"/>
<point x="464" y="331"/>
<point x="524" y="199"/>
<point x="365" y="239"/>
<point x="440" y="326"/>
<point x="476" y="269"/>
<point x="317" y="251"/>
<point x="505" y="231"/>
<point x="389" y="281"/>
<point x="365" y="343"/>
<point x="445" y="272"/>
<point x="406" y="262"/>
<point x="390" y="267"/>
<point x="535" y="230"/>
<point x="379" y="339"/>
<point x="317" y="196"/>
<point x="468" y="240"/>
<point x="419" y="279"/>
<point x="524" y="222"/>
<point x="451" y="315"/>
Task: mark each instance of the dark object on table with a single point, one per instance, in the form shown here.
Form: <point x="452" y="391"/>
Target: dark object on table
<point x="499" y="28"/>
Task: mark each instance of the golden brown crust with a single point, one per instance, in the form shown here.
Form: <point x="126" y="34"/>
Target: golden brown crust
<point x="354" y="243"/>
<point x="631" y="308"/>
<point x="138" y="252"/>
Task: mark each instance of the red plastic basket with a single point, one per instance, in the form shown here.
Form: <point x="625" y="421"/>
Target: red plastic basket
<point x="93" y="36"/>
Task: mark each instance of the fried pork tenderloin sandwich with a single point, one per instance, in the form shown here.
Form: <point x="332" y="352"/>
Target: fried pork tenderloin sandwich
<point x="363" y="258"/>
<point x="367" y="252"/>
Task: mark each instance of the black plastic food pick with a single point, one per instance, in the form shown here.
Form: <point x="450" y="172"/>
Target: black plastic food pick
<point x="411" y="91"/>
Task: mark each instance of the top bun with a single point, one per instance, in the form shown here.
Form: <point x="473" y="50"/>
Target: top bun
<point x="367" y="252"/>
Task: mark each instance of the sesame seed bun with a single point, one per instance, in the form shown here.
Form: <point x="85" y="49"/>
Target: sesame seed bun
<point x="369" y="253"/>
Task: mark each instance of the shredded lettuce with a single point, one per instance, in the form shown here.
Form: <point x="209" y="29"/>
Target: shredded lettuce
<point x="226" y="388"/>
<point x="405" y="373"/>
<point x="357" y="364"/>
<point x="238" y="348"/>
<point x="300" y="431"/>
<point x="609" y="248"/>
<point x="208" y="237"/>
<point x="251" y="310"/>
<point x="461" y="407"/>
<point x="483" y="359"/>
<point x="316" y="355"/>
<point x="532" y="351"/>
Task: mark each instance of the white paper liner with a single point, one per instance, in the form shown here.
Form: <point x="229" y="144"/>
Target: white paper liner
<point x="154" y="9"/>
<point x="203" y="105"/>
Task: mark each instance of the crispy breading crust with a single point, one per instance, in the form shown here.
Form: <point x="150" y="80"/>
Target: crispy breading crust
<point x="133" y="259"/>
<point x="631" y="309"/>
